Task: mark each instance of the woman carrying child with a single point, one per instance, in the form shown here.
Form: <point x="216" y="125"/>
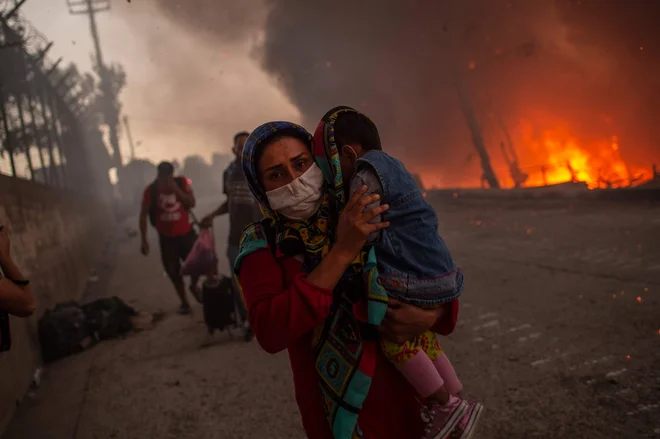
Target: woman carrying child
<point x="301" y="268"/>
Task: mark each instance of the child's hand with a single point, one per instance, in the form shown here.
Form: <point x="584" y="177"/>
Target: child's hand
<point x="403" y="322"/>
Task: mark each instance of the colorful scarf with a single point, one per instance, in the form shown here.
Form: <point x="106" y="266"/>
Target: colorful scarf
<point x="347" y="348"/>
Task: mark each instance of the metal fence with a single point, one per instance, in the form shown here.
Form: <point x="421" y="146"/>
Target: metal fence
<point x="42" y="129"/>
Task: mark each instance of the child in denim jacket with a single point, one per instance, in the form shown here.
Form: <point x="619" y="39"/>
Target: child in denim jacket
<point x="415" y="267"/>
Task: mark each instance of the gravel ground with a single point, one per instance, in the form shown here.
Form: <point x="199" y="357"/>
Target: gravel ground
<point x="558" y="336"/>
<point x="559" y="333"/>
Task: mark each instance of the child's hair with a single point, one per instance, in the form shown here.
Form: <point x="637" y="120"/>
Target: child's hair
<point x="356" y="128"/>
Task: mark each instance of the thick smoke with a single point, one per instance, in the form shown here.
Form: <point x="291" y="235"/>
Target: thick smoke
<point x="575" y="63"/>
<point x="227" y="21"/>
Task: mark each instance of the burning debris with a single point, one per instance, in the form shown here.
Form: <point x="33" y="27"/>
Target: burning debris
<point x="599" y="164"/>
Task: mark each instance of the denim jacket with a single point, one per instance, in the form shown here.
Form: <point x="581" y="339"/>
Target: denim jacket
<point x="414" y="262"/>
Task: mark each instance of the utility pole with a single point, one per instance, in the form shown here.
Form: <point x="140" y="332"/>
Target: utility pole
<point x="130" y="138"/>
<point x="110" y="112"/>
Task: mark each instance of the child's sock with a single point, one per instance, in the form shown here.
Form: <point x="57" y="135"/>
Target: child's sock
<point x="422" y="374"/>
<point x="448" y="374"/>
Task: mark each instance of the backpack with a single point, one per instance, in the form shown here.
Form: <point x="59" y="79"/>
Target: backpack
<point x="63" y="332"/>
<point x="108" y="317"/>
<point x="153" y="199"/>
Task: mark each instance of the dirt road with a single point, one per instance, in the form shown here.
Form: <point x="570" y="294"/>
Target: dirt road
<point x="559" y="332"/>
<point x="559" y="336"/>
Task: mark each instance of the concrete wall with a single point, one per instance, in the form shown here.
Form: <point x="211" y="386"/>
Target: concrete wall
<point x="56" y="236"/>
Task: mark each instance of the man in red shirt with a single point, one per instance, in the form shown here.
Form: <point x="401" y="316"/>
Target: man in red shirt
<point x="166" y="202"/>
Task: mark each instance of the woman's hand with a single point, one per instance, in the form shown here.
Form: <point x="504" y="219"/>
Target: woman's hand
<point x="352" y="232"/>
<point x="5" y="245"/>
<point x="353" y="227"/>
<point x="403" y="322"/>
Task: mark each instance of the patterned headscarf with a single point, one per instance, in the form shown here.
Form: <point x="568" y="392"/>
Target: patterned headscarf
<point x="326" y="154"/>
<point x="348" y="343"/>
<point x="253" y="149"/>
<point x="311" y="238"/>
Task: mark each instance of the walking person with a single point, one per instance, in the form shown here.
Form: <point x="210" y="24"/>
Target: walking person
<point x="301" y="273"/>
<point x="166" y="203"/>
<point x="15" y="292"/>
<point x="242" y="209"/>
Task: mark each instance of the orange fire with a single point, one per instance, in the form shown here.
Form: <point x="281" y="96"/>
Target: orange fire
<point x="548" y="157"/>
<point x="555" y="156"/>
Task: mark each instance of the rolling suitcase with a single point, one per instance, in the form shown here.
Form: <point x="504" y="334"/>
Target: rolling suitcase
<point x="219" y="307"/>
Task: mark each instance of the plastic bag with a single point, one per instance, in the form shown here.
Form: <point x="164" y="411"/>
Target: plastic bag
<point x="202" y="260"/>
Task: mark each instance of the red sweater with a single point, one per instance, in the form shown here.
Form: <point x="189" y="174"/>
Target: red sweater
<point x="284" y="308"/>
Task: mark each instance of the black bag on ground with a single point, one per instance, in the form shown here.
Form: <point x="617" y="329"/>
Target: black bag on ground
<point x="109" y="317"/>
<point x="63" y="332"/>
<point x="218" y="302"/>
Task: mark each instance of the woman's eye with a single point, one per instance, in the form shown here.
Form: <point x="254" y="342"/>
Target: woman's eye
<point x="275" y="175"/>
<point x="301" y="164"/>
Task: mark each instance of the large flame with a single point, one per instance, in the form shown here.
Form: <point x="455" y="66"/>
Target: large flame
<point x="554" y="156"/>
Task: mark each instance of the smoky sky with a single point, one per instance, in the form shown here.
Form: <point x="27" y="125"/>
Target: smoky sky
<point x="590" y="65"/>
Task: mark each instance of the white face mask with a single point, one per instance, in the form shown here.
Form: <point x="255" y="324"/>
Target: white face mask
<point x="301" y="198"/>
